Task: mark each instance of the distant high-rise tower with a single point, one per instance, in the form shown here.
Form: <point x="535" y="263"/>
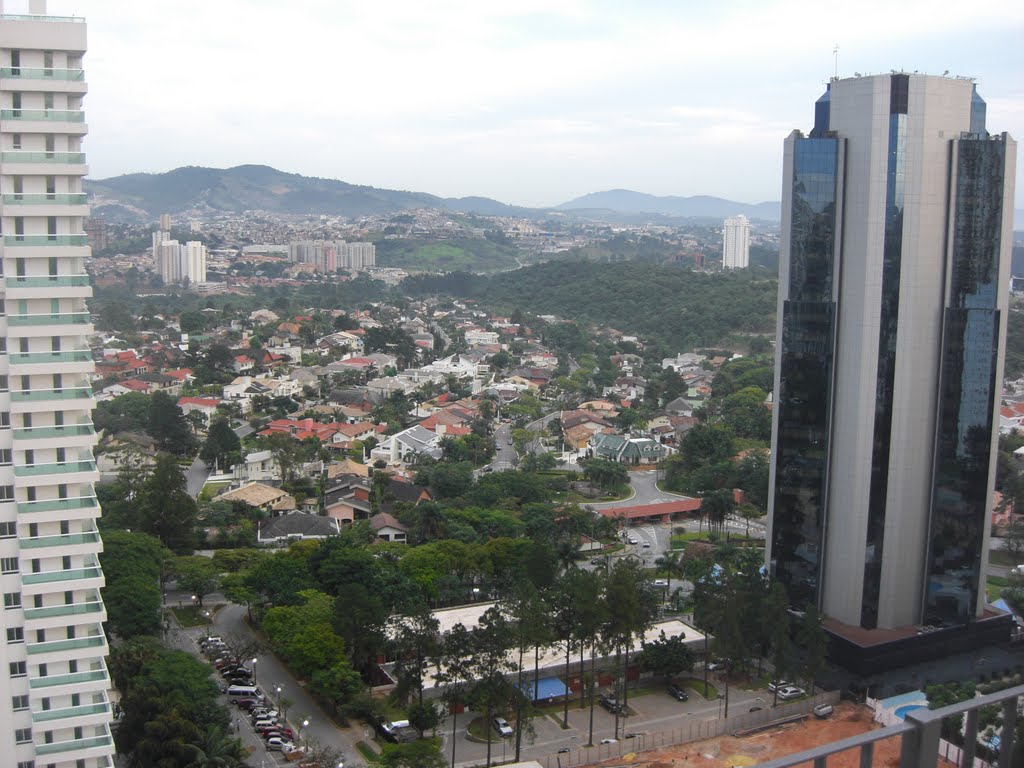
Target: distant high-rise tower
<point x="736" y="243"/>
<point x="165" y="222"/>
<point x="893" y="280"/>
<point x="53" y="709"/>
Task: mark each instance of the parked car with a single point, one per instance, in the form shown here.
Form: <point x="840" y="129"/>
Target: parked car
<point x="564" y="750"/>
<point x="632" y="540"/>
<point x="791" y="692"/>
<point x="246" y="703"/>
<point x="611" y="703"/>
<point x="678" y="693"/>
<point x="823" y="711"/>
<point x="263" y="730"/>
<point x="717" y="664"/>
<point x="778" y="685"/>
<point x="279" y="744"/>
<point x="269" y="722"/>
<point x="286" y="733"/>
<point x="647" y="545"/>
<point x="596" y="561"/>
<point x="502" y="727"/>
<point x="609" y="741"/>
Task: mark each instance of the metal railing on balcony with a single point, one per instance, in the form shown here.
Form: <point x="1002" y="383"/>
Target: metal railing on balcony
<point x="45" y="240"/>
<point x="47" y="73"/>
<point x="60" y="540"/>
<point x="32" y="156"/>
<point x="57" y="505"/>
<point x="57" y="115"/>
<point x="69" y="609"/>
<point x="49" y="281"/>
<point x="55" y="468"/>
<point x="34" y="358"/>
<point x="71" y="574"/>
<point x="37" y="17"/>
<point x="920" y="736"/>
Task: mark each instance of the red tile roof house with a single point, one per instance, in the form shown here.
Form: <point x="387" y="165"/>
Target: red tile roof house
<point x="122" y="365"/>
<point x="204" y="405"/>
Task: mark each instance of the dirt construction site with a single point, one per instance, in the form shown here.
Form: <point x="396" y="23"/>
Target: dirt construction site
<point x="772" y="742"/>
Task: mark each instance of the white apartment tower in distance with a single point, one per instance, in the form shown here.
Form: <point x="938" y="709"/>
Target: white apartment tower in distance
<point x="53" y="681"/>
<point x="736" y="243"/>
<point x="177" y="263"/>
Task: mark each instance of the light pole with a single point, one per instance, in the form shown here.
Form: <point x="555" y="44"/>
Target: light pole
<point x="278" y="689"/>
<point x="254" y="660"/>
<point x="302" y="729"/>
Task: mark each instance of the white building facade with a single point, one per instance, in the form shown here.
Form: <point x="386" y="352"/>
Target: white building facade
<point x="54" y="709"/>
<point x="736" y="243"/>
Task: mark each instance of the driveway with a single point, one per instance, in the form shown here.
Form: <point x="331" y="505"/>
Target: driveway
<point x="196" y="476"/>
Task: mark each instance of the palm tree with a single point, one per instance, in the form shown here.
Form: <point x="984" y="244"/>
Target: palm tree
<point x="671" y="563"/>
<point x="216" y="749"/>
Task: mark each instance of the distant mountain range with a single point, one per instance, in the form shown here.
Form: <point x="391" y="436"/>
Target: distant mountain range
<point x="142" y="197"/>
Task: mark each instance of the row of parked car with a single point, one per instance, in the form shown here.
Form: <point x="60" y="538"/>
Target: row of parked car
<point x="239" y="687"/>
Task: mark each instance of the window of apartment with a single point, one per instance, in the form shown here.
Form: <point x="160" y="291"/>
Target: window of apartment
<point x="3" y="307"/>
<point x="62" y="455"/>
<point x="16" y="68"/>
<point x="4" y="384"/>
<point x="51" y="143"/>
<point x="78" y="732"/>
<point x="48" y="100"/>
<point x="5" y="453"/>
<point x="48" y="60"/>
<point x="51" y="190"/>
<point x="51" y="266"/>
<point x="43" y="671"/>
<point x="8" y="530"/>
<point x="6" y="494"/>
<point x="73" y="666"/>
<point x="69" y="598"/>
<point x="15" y="635"/>
<point x="17" y="669"/>
<point x="19" y="703"/>
<point x="16" y="141"/>
<point x="55" y="347"/>
<point x="16" y="103"/>
<point x="19" y="225"/>
<point x="8" y="565"/>
<point x="12" y="600"/>
<point x="5" y="420"/>
<point x="27" y="764"/>
<point x="23" y="349"/>
<point x="40" y="635"/>
<point x="65" y="563"/>
<point x="30" y="457"/>
<point x="51" y="226"/>
<point x="65" y="527"/>
<point x="22" y="735"/>
<point x="3" y="345"/>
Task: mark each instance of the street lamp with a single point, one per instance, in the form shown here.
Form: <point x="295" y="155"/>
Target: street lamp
<point x="278" y="689"/>
<point x="305" y="725"/>
<point x="254" y="660"/>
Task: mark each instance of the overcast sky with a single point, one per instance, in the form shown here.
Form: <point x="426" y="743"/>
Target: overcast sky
<point x="531" y="102"/>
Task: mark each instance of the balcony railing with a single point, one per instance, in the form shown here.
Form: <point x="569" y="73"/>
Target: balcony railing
<point x="57" y="115"/>
<point x="57" y="505"/>
<point x="64" y="430"/>
<point x="75" y="746"/>
<point x="51" y="240"/>
<point x="59" y="318"/>
<point x="60" y="540"/>
<point x="93" y="641"/>
<point x="49" y="281"/>
<point x="55" y="468"/>
<point x="920" y="734"/>
<point x="29" y="156"/>
<point x="70" y="609"/>
<point x="41" y="395"/>
<point x="49" y="73"/>
<point x="36" y="17"/>
<point x="71" y="574"/>
<point x="34" y="358"/>
<point x="47" y="715"/>
<point x="71" y="679"/>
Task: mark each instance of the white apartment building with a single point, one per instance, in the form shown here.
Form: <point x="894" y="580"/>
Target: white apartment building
<point x="54" y="709"/>
<point x="736" y="243"/>
<point x="177" y="263"/>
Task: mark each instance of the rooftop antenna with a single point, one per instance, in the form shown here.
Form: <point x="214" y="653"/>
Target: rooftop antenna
<point x="835" y="55"/>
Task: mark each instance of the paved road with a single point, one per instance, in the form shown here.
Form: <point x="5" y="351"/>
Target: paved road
<point x="505" y="456"/>
<point x="196" y="477"/>
<point x="244" y="430"/>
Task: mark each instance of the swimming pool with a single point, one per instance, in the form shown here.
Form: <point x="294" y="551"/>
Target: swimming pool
<point x="901" y="712"/>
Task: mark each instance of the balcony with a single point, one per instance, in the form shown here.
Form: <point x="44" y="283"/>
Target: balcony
<point x="56" y="468"/>
<point x="48" y="358"/>
<point x="72" y="609"/>
<point x="49" y="281"/>
<point x="50" y="73"/>
<point x="72" y="574"/>
<point x="55" y="115"/>
<point x="93" y="641"/>
<point x="60" y="540"/>
<point x="35" y="17"/>
<point x="70" y="679"/>
<point x="59" y="318"/>
<point x="76" y="746"/>
<point x="65" y="430"/>
<point x="45" y="240"/>
<point x="28" y="156"/>
<point x="42" y="395"/>
<point x="48" y="715"/>
<point x="57" y="505"/>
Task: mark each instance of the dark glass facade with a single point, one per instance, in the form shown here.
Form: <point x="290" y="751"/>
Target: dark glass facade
<point x="968" y="385"/>
<point x="892" y="259"/>
<point x="806" y="367"/>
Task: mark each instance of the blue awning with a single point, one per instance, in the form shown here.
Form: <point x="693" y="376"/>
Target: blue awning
<point x="547" y="688"/>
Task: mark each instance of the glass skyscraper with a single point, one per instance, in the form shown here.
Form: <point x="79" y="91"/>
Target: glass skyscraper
<point x="894" y="278"/>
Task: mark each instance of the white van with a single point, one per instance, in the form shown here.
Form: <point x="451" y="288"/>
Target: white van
<point x="243" y="691"/>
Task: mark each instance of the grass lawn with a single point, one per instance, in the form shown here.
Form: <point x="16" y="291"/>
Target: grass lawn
<point x="193" y="616"/>
<point x="1001" y="557"/>
<point x="994" y="586"/>
<point x="211" y="489"/>
<point x="696" y="685"/>
<point x="367" y="752"/>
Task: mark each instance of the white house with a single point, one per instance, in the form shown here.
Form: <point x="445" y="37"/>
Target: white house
<point x="257" y="467"/>
<point x="406" y="445"/>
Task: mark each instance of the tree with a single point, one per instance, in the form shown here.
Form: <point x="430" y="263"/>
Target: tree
<point x="216" y="748"/>
<point x="286" y="453"/>
<point x="221" y="443"/>
<point x="776" y="618"/>
<point x="415" y="641"/>
<point x="167" y="425"/>
<point x="489" y="665"/>
<point x="814" y="642"/>
<point x="133" y="606"/>
<point x="165" y="508"/>
<point x="197" y="576"/>
<point x="717" y="505"/>
<point x="192" y="322"/>
<point x="667" y="656"/>
<point x="417" y="754"/>
<point x="671" y="565"/>
<point x="455" y="673"/>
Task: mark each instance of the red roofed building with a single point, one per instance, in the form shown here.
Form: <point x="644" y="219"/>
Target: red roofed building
<point x="204" y="405"/>
<point x="663" y="512"/>
<point x="123" y="365"/>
